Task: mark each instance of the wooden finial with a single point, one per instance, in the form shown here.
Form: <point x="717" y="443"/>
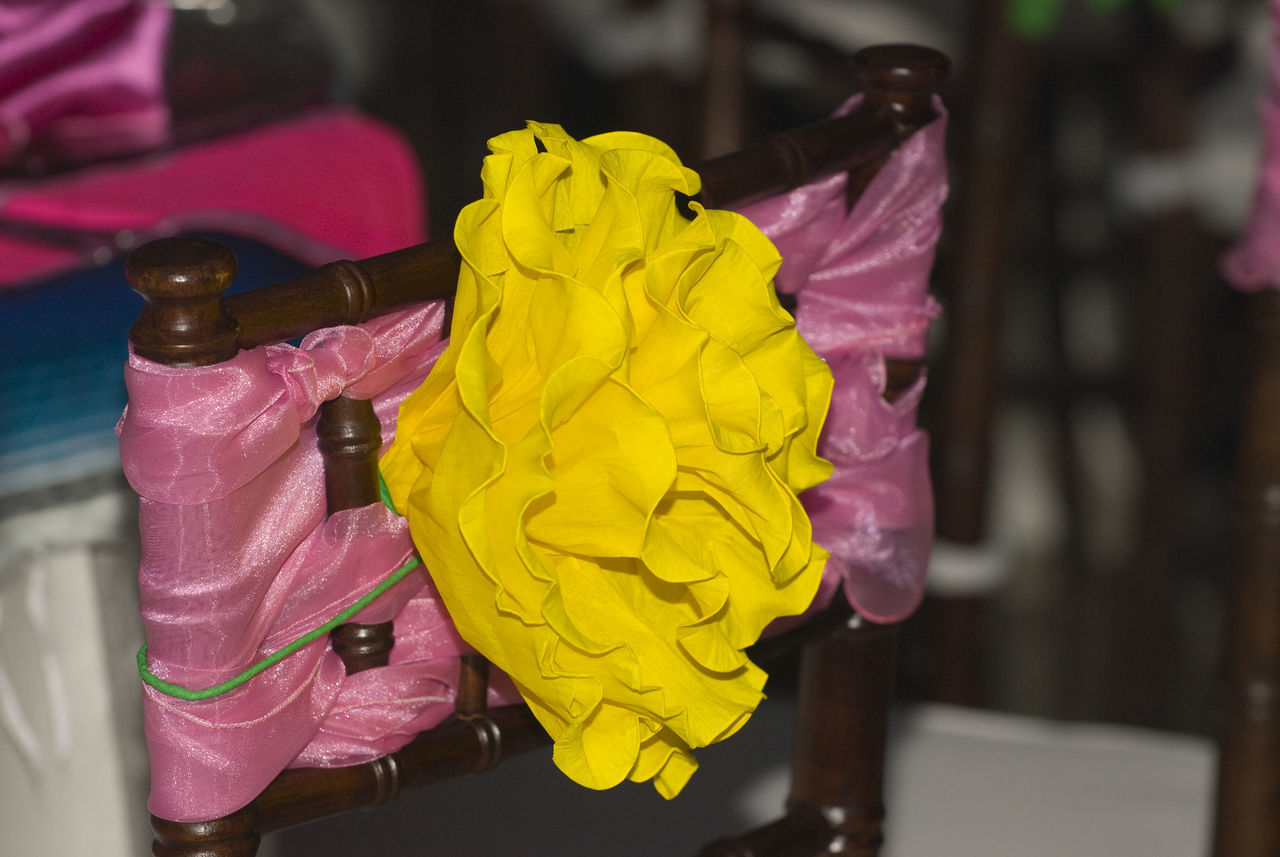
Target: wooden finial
<point x="184" y="322"/>
<point x="903" y="78"/>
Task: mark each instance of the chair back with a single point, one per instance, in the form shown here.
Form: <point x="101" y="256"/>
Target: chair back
<point x="188" y="324"/>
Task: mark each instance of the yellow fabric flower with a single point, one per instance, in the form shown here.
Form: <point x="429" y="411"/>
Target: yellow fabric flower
<point x="601" y="471"/>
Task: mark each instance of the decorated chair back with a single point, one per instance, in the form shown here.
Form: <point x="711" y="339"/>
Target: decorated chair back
<point x="300" y="663"/>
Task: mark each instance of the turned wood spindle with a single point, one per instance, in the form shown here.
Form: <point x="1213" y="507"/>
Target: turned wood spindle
<point x="235" y="835"/>
<point x="899" y="81"/>
<point x="349" y="436"/>
<point x="846" y="689"/>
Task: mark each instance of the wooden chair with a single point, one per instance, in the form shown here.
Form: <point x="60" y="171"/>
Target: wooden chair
<point x="848" y="664"/>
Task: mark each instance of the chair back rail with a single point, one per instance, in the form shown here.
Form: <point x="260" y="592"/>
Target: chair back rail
<point x="187" y="321"/>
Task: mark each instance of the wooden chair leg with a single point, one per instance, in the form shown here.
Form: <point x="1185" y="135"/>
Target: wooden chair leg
<point x="837" y="779"/>
<point x="1247" y="822"/>
<point x="846" y="689"/>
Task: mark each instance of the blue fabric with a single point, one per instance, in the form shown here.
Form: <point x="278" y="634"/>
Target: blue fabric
<point x="60" y="404"/>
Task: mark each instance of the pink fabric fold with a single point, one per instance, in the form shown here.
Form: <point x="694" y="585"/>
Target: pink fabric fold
<point x="82" y="78"/>
<point x="239" y="559"/>
<point x="861" y="279"/>
<point x="1253" y="263"/>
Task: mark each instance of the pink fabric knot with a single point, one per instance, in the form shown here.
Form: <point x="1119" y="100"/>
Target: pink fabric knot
<point x="328" y="362"/>
<point x="861" y="279"/>
<point x="192" y="436"/>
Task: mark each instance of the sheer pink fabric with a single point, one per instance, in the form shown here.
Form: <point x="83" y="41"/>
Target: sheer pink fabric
<point x="82" y="78"/>
<point x="1254" y="262"/>
<point x="861" y="279"/>
<point x="238" y="559"/>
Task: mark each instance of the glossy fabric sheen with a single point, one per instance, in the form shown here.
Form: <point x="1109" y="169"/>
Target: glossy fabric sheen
<point x="861" y="281"/>
<point x="82" y="78"/>
<point x="238" y="559"/>
<point x="1254" y="262"/>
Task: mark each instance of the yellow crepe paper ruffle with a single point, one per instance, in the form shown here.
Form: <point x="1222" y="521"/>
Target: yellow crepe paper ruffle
<point x="601" y="471"/>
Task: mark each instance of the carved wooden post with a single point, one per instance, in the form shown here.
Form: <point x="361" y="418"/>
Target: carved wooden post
<point x="903" y="78"/>
<point x="184" y="321"/>
<point x="350" y="436"/>
<point x="900" y="82"/>
<point x="1247" y="823"/>
<point x="846" y="690"/>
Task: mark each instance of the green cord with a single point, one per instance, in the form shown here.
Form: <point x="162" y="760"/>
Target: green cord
<point x="275" y="657"/>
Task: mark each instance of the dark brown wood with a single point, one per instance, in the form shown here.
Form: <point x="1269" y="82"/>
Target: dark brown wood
<point x="363" y="647"/>
<point x="473" y="686"/>
<point x="846" y="687"/>
<point x="1176" y="282"/>
<point x="183" y="321"/>
<point x="235" y="835"/>
<point x="837" y="785"/>
<point x="1247" y="822"/>
<point x="1001" y="85"/>
<point x="349" y="437"/>
<point x="300" y="795"/>
<point x="900" y="82"/>
<point x="802" y="831"/>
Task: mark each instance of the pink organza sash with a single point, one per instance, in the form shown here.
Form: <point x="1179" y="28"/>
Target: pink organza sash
<point x="861" y="278"/>
<point x="1254" y="262"/>
<point x="82" y="78"/>
<point x="238" y="559"/>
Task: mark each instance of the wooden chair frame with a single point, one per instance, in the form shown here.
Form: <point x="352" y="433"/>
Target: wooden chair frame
<point x="846" y="677"/>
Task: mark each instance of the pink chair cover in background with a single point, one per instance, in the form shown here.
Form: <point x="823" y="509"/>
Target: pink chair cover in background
<point x="321" y="186"/>
<point x="82" y="79"/>
<point x="861" y="280"/>
<point x="1254" y="262"/>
